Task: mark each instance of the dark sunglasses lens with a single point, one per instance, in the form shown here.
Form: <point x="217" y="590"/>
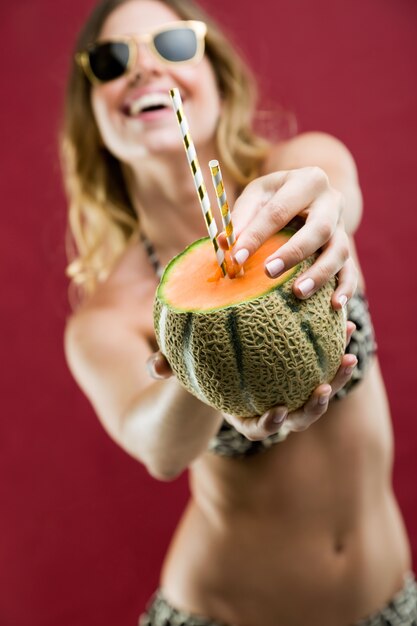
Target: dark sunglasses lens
<point x="109" y="60"/>
<point x="179" y="44"/>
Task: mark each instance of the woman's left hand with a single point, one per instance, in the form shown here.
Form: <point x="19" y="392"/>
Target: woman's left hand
<point x="270" y="202"/>
<point x="278" y="419"/>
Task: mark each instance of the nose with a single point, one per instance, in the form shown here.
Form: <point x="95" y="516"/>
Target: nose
<point x="146" y="61"/>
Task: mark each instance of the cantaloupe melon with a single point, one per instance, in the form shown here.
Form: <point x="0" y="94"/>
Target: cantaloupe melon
<point x="245" y="344"/>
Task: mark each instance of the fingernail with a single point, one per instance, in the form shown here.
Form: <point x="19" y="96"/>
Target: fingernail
<point x="306" y="286"/>
<point x="323" y="399"/>
<point x="241" y="256"/>
<point x="274" y="267"/>
<point x="342" y="300"/>
<point x="280" y="416"/>
<point x="349" y="370"/>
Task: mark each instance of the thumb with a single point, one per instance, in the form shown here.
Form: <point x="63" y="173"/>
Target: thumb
<point x="158" y="367"/>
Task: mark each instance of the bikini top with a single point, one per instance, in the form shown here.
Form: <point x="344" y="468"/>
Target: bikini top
<point x="229" y="442"/>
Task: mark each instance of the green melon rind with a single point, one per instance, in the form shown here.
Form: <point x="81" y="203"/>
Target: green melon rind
<point x="287" y="347"/>
<point x="171" y="266"/>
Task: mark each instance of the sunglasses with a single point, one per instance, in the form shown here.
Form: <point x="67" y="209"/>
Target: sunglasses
<point x="174" y="43"/>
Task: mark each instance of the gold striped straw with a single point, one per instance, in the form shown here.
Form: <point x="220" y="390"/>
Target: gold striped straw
<point x="197" y="177"/>
<point x="217" y="179"/>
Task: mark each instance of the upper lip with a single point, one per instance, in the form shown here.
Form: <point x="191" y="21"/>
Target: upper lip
<point x="144" y="98"/>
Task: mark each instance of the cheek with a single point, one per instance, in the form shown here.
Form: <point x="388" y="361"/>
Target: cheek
<point x="210" y="90"/>
<point x="99" y="112"/>
<point x="103" y="101"/>
<point x="200" y="81"/>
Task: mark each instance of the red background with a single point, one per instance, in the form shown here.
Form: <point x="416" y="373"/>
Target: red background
<point x="83" y="529"/>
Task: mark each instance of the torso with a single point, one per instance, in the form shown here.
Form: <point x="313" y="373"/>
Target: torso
<point x="309" y="527"/>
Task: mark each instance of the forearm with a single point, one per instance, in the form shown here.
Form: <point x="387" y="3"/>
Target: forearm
<point x="167" y="428"/>
<point x="334" y="158"/>
<point x="341" y="170"/>
<point x="348" y="186"/>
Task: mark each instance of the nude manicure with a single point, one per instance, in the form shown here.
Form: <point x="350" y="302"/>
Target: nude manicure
<point x="306" y="286"/>
<point x="274" y="267"/>
<point x="324" y="399"/>
<point x="241" y="256"/>
<point x="279" y="416"/>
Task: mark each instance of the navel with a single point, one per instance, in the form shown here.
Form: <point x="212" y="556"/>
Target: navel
<point x="339" y="545"/>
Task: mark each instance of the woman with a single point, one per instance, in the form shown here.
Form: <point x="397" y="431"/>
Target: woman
<point x="325" y="546"/>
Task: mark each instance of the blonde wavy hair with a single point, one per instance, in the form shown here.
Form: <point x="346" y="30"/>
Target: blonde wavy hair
<point x="101" y="218"/>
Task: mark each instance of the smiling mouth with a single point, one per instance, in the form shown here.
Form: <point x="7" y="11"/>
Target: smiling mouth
<point x="148" y="103"/>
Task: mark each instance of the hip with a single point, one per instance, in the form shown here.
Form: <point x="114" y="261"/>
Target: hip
<point x="401" y="610"/>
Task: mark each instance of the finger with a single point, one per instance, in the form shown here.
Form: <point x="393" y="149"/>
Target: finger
<point x="317" y="231"/>
<point x="328" y="263"/>
<point x="347" y="284"/>
<point x="318" y="403"/>
<point x="344" y="373"/>
<point x="158" y="367"/>
<point x="314" y="408"/>
<point x="250" y="427"/>
<point x="350" y="329"/>
<point x="280" y="204"/>
<point x="259" y="427"/>
<point x="255" y="195"/>
<point x="274" y="419"/>
<point x="222" y="241"/>
<point x="248" y="203"/>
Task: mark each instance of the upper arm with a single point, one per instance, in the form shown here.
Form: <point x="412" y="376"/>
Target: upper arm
<point x="331" y="155"/>
<point x="108" y="360"/>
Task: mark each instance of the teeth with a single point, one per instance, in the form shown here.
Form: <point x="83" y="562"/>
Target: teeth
<point x="149" y="100"/>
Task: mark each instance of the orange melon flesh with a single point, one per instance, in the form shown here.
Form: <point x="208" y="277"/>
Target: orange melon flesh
<point x="193" y="281"/>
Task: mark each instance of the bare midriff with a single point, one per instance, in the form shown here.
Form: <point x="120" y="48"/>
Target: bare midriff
<point x="308" y="532"/>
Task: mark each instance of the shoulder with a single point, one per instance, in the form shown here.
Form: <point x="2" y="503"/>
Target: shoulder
<point x="106" y="348"/>
<point x="120" y="305"/>
<point x="329" y="155"/>
<point x="90" y="334"/>
<point x="127" y="291"/>
<point x="106" y="358"/>
<point x="88" y="324"/>
<point x="312" y="148"/>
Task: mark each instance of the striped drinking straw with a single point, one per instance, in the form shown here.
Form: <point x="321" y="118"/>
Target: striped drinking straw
<point x="197" y="177"/>
<point x="217" y="178"/>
